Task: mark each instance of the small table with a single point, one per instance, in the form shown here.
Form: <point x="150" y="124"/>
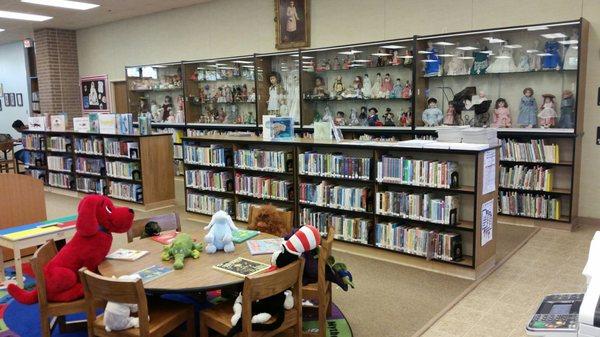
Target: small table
<point x="197" y="274"/>
<point x="32" y="235"/>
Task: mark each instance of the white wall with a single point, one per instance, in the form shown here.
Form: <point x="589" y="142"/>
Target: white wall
<point x="13" y="77"/>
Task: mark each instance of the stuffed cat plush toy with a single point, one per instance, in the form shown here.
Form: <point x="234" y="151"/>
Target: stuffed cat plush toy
<point x="117" y="316"/>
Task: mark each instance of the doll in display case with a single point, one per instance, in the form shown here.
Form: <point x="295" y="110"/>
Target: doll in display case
<point x="408" y="58"/>
<point x="180" y="108"/>
<point x="252" y="96"/>
<point x="567" y="106"/>
<point x="503" y="63"/>
<point x="432" y="116"/>
<point x="535" y="60"/>
<point x="376" y="88"/>
<point x="244" y="96"/>
<point x="222" y="115"/>
<point x="167" y="107"/>
<point x="335" y="65"/>
<point x="548" y="112"/>
<point x="354" y="121"/>
<point x="396" y="59"/>
<point x="457" y="65"/>
<point x="397" y="89"/>
<point x="367" y="87"/>
<point x="433" y="65"/>
<point x="220" y="95"/>
<point x="363" y="116"/>
<point x="388" y="118"/>
<point x="407" y="90"/>
<point x="450" y="116"/>
<point x="382" y="60"/>
<point x="276" y="94"/>
<point x="228" y="94"/>
<point x="358" y="86"/>
<point x="386" y="86"/>
<point x="340" y="119"/>
<point x="154" y="111"/>
<point x="320" y="90"/>
<point x="527" y="109"/>
<point x="327" y="65"/>
<point x="480" y="62"/>
<point x="373" y="118"/>
<point x="346" y="64"/>
<point x="502" y="117"/>
<point x="338" y="87"/>
<point x="552" y="60"/>
<point x="405" y="118"/>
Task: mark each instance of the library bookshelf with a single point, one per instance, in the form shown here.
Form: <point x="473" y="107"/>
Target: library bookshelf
<point x="366" y="215"/>
<point x="129" y="168"/>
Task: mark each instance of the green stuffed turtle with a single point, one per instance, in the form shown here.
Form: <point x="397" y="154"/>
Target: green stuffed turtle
<point x="181" y="247"/>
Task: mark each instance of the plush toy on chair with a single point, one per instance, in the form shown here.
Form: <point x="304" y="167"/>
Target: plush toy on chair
<point x="117" y="316"/>
<point x="220" y="233"/>
<point x="97" y="218"/>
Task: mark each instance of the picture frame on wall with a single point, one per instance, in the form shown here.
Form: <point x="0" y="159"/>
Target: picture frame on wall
<point x="95" y="93"/>
<point x="292" y="24"/>
<point x="19" y="99"/>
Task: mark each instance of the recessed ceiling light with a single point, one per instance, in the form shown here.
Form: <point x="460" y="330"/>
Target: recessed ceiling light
<point x="554" y="36"/>
<point x="23" y="16"/>
<point x="444" y="43"/>
<point x="425" y="52"/>
<point x="392" y="46"/>
<point x="513" y="46"/>
<point x="494" y="40"/>
<point x="467" y="48"/>
<point x="532" y="28"/>
<point x="445" y="55"/>
<point x="381" y="54"/>
<point x="82" y="6"/>
<point x="531" y="51"/>
<point x="242" y="62"/>
<point x="568" y="42"/>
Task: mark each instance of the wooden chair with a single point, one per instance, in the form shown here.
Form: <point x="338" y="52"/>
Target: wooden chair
<point x="166" y="222"/>
<point x="287" y="215"/>
<point x="256" y="287"/>
<point x="165" y="316"/>
<point x="53" y="309"/>
<point x="8" y="162"/>
<point x="321" y="291"/>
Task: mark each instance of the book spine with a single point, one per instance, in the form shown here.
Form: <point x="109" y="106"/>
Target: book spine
<point x="207" y="204"/>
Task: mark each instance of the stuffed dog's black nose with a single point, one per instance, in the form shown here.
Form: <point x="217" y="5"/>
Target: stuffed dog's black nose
<point x="131" y="211"/>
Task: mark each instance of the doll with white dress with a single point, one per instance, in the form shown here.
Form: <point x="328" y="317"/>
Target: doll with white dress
<point x="432" y="116"/>
<point x="354" y="121"/>
<point x="276" y="94"/>
<point x="503" y="63"/>
<point x="457" y="65"/>
<point x="548" y="112"/>
<point x="320" y="90"/>
<point x="376" y="88"/>
<point x="501" y="114"/>
<point x="535" y="61"/>
<point x="524" y="65"/>
<point x="367" y="87"/>
<point x="527" y="109"/>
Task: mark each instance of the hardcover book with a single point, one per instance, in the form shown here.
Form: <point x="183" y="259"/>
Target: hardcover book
<point x="94" y="122"/>
<point x="126" y="254"/>
<point x="81" y="124"/>
<point x="57" y="122"/>
<point x="153" y="272"/>
<point x="242" y="235"/>
<point x="242" y="267"/>
<point x="108" y="123"/>
<point x="282" y="128"/>
<point x="265" y="246"/>
<point x="322" y="131"/>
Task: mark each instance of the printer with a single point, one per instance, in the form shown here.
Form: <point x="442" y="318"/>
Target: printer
<point x="572" y="315"/>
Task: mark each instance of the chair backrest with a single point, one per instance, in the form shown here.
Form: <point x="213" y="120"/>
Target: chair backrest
<point x="99" y="289"/>
<point x="41" y="257"/>
<point x="288" y="217"/>
<point x="166" y="222"/>
<point x="7" y="146"/>
<point x="258" y="287"/>
<point x="324" y="254"/>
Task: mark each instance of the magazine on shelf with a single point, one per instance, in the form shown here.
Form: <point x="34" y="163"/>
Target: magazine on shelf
<point x="242" y="267"/>
<point x="265" y="246"/>
<point x="126" y="254"/>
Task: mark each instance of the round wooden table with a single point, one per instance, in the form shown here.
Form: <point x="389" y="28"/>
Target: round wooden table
<point x="196" y="275"/>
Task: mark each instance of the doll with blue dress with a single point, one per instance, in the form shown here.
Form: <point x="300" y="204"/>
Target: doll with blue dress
<point x="567" y="106"/>
<point x="432" y="116"/>
<point x="527" y="109"/>
<point x="397" y="89"/>
<point x="552" y="61"/>
<point x="432" y="66"/>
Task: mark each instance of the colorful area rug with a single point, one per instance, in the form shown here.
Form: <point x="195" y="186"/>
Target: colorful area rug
<point x="20" y="320"/>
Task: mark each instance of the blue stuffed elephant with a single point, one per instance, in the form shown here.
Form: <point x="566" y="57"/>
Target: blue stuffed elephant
<point x="220" y="233"/>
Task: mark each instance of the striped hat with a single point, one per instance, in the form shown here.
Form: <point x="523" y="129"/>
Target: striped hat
<point x="305" y="239"/>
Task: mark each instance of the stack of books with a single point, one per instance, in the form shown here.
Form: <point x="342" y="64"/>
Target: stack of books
<point x="527" y="178"/>
<point x="536" y="151"/>
<point x="480" y="136"/>
<point x="431" y="173"/>
<point x="263" y="187"/>
<point x="422" y="207"/>
<point x="343" y="197"/>
<point x="255" y="159"/>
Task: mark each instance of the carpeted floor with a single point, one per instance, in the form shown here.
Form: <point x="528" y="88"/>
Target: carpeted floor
<point x="389" y="299"/>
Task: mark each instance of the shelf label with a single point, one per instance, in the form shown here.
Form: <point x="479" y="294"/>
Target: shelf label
<point x="489" y="171"/>
<point x="487" y="222"/>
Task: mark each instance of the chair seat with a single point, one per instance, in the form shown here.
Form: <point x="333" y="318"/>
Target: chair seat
<point x="219" y="317"/>
<point x="164" y="316"/>
<point x="65" y="308"/>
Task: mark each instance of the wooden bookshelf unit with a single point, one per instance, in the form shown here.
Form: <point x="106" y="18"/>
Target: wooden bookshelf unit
<point x="476" y="258"/>
<point x="141" y="172"/>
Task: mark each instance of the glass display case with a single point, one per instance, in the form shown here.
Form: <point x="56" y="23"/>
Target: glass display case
<point x="517" y="78"/>
<point x="157" y="90"/>
<point x="278" y="85"/>
<point x="359" y="86"/>
<point x="220" y="92"/>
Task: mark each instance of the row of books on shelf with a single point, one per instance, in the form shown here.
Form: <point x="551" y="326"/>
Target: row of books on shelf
<point x="178" y="151"/>
<point x="442" y="209"/>
<point x="209" y="180"/>
<point x="178" y="167"/>
<point x="90" y="185"/>
<point x="263" y="187"/>
<point x="121" y="148"/>
<point x="431" y="173"/>
<point x="125" y="191"/>
<point x="34" y="142"/>
<point x="529" y="205"/>
<point x="93" y="122"/>
<point x="527" y="178"/>
<point x="59" y="163"/>
<point x="208" y="204"/>
<point x="536" y="151"/>
<point x="430" y="244"/>
<point x="213" y="155"/>
<point x="59" y="180"/>
<point x="335" y="165"/>
<point x="37" y="174"/>
<point x="57" y="143"/>
<point x="256" y="159"/>
<point x="176" y="134"/>
<point x="335" y="196"/>
<point x="89" y="165"/>
<point x="91" y="145"/>
<point x="345" y="228"/>
<point x="124" y="170"/>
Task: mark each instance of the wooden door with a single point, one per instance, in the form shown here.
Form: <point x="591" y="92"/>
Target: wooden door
<point x="120" y="92"/>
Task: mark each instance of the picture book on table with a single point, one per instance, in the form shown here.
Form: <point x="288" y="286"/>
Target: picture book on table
<point x="265" y="246"/>
<point x="126" y="254"/>
<point x="242" y="267"/>
<point x="242" y="235"/>
<point x="153" y="272"/>
<point x="165" y="237"/>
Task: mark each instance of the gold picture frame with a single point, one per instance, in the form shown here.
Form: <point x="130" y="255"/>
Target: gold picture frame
<point x="292" y="24"/>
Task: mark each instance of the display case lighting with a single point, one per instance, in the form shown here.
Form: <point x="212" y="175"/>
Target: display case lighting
<point x="503" y="57"/>
<point x="381" y="54"/>
<point x="465" y="57"/>
<point x="568" y="42"/>
<point x="513" y="46"/>
<point x="350" y="52"/>
<point x="424" y="52"/>
<point x="467" y="48"/>
<point x="428" y="60"/>
<point x="405" y="56"/>
<point x="393" y="46"/>
<point x="248" y="66"/>
<point x="531" y="51"/>
<point x="361" y="61"/>
<point x="242" y="62"/>
<point x="445" y="55"/>
<point x="534" y="28"/>
<point x="444" y="43"/>
<point x="544" y="54"/>
<point x="307" y="62"/>
<point x="494" y="40"/>
<point x="554" y="36"/>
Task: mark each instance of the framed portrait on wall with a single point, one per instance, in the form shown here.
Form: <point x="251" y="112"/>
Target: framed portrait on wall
<point x="292" y="23"/>
<point x="19" y="99"/>
<point x="95" y="95"/>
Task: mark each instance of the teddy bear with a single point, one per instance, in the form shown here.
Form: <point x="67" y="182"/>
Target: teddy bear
<point x="220" y="230"/>
<point x="117" y="316"/>
<point x="268" y="219"/>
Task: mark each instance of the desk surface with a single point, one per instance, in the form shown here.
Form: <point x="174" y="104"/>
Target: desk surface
<point x="196" y="275"/>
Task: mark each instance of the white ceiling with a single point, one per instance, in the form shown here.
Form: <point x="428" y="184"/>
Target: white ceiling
<point x="109" y="11"/>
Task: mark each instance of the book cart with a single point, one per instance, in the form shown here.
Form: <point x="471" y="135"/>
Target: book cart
<point x="130" y="168"/>
<point x="358" y="224"/>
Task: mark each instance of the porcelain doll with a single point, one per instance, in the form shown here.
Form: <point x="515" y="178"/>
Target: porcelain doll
<point x="403" y="121"/>
<point x="233" y="114"/>
<point x="367" y="87"/>
<point x="503" y="63"/>
<point x="335" y="65"/>
<point x="457" y="65"/>
<point x="433" y="66"/>
<point x="338" y="87"/>
<point x="408" y="58"/>
<point x="524" y="65"/>
<point x="327" y="115"/>
<point x="552" y="61"/>
<point x="154" y="110"/>
<point x="363" y="116"/>
<point x="167" y="107"/>
<point x="396" y="60"/>
<point x="373" y="118"/>
<point x="450" y="116"/>
<point x="252" y="96"/>
<point x="354" y="117"/>
<point x="388" y="118"/>
<point x="502" y="117"/>
<point x="407" y="91"/>
<point x="319" y="91"/>
<point x="358" y="86"/>
<point x="340" y="119"/>
<point x="480" y="62"/>
<point x="346" y="64"/>
<point x="376" y="88"/>
<point x="432" y="116"/>
<point x="535" y="61"/>
<point x="171" y="118"/>
<point x="276" y="94"/>
<point x="527" y="109"/>
<point x="397" y="89"/>
<point x="220" y="95"/>
<point x="548" y="112"/>
<point x="386" y="86"/>
<point x="327" y="65"/>
<point x="228" y="94"/>
<point x="381" y="59"/>
<point x="570" y="59"/>
<point x="244" y="96"/>
<point x="222" y="115"/>
<point x="293" y="96"/>
<point x="567" y="105"/>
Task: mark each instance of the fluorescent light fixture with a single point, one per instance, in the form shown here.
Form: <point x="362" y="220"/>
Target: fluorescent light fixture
<point x="361" y="61"/>
<point x="445" y="55"/>
<point x="295" y="55"/>
<point x="350" y="52"/>
<point x="467" y="48"/>
<point x="242" y="62"/>
<point x="531" y="51"/>
<point x="23" y="16"/>
<point x="465" y="57"/>
<point x="533" y="28"/>
<point x="200" y="68"/>
<point x="1" y="30"/>
<point x="494" y="40"/>
<point x="381" y="54"/>
<point x="544" y="54"/>
<point x="554" y="36"/>
<point x="444" y="43"/>
<point x="513" y="46"/>
<point x="424" y="52"/>
<point x="82" y="6"/>
<point x="568" y="42"/>
<point x="392" y="46"/>
<point x="159" y="66"/>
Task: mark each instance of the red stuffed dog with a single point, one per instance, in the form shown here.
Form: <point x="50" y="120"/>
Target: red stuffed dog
<point x="97" y="218"/>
